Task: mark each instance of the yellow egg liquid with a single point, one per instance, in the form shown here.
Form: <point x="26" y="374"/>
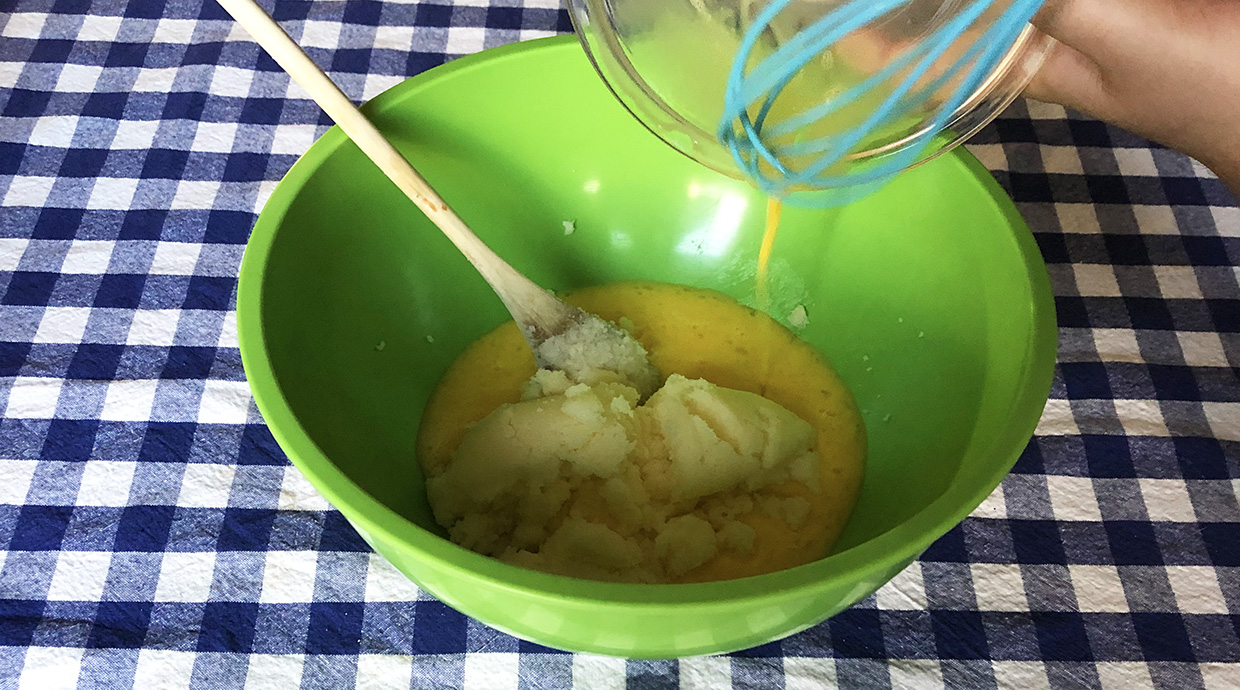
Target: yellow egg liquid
<point x="762" y="291"/>
<point x="697" y="334"/>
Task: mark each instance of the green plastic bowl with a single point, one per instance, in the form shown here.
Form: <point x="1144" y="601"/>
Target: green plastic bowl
<point x="930" y="297"/>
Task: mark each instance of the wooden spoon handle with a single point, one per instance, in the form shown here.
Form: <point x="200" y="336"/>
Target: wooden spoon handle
<point x="526" y="301"/>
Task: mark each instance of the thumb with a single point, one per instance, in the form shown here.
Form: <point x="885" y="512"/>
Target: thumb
<point x="1098" y="27"/>
<point x="1089" y="38"/>
<point x="1070" y="78"/>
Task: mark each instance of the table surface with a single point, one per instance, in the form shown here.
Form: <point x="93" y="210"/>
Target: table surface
<point x="153" y="535"/>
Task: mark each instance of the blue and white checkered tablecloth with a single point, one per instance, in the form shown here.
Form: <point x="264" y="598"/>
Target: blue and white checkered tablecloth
<point x="152" y="535"/>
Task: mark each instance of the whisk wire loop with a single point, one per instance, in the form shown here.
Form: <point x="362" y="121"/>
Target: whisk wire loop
<point x="781" y="168"/>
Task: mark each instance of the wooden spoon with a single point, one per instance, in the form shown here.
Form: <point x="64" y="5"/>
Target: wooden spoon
<point x="540" y="315"/>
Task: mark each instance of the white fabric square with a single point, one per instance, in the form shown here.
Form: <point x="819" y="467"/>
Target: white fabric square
<point x="175" y="258"/>
<point x="185" y="576"/>
<point x="1141" y="417"/>
<point x="195" y="194"/>
<point x="155" y="80"/>
<point x="384" y="671"/>
<point x="288" y="577"/>
<point x="24" y="25"/>
<point x="915" y="674"/>
<point x="385" y="583"/>
<point x="135" y="134"/>
<point x="531" y="34"/>
<point x="1098" y="589"/>
<point x="1021" y="675"/>
<point x="1078" y="218"/>
<point x="33" y="398"/>
<point x="1155" y="220"/>
<point x="224" y="402"/>
<point x="163" y="668"/>
<point x="1096" y="280"/>
<point x="1062" y="160"/>
<point x="1226" y="220"/>
<point x="1200" y="169"/>
<point x="129" y="400"/>
<point x="1057" y="419"/>
<point x="54" y="130"/>
<point x="231" y="81"/>
<point x="1197" y="589"/>
<point x="268" y="671"/>
<point x="378" y="83"/>
<point x="1224" y="419"/>
<point x="599" y="672"/>
<point x="705" y="672"/>
<point x="62" y="325"/>
<point x="490" y="671"/>
<point x="174" y="31"/>
<point x="17" y="475"/>
<point x="319" y="34"/>
<point x="1073" y="498"/>
<point x="28" y="191"/>
<point x="1202" y="349"/>
<point x="9" y="73"/>
<point x="904" y="592"/>
<point x="153" y="327"/>
<point x="79" y="576"/>
<point x="215" y="137"/>
<point x="78" y="79"/>
<point x="1136" y="162"/>
<point x="808" y="673"/>
<point x="88" y="256"/>
<point x="999" y="587"/>
<point x="11" y="251"/>
<point x="465" y="40"/>
<point x="292" y="140"/>
<point x="1039" y="110"/>
<point x="993" y="506"/>
<point x="393" y="38"/>
<point x="112" y="193"/>
<point x="1219" y="675"/>
<point x="1177" y="282"/>
<point x="265" y="188"/>
<point x="106" y="483"/>
<point x="1124" y="675"/>
<point x="99" y="28"/>
<point x="991" y="155"/>
<point x="296" y="493"/>
<point x="206" y="485"/>
<point x="237" y="34"/>
<point x="1167" y="500"/>
<point x="228" y="333"/>
<point x="51" y="667"/>
<point x="1117" y="345"/>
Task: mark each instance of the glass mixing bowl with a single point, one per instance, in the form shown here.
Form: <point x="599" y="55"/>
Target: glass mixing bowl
<point x="668" y="62"/>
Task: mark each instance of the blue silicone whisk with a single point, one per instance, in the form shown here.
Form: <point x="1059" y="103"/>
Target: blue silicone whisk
<point x="750" y="132"/>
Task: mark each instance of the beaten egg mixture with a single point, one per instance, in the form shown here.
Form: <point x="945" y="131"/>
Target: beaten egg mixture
<point x="748" y="460"/>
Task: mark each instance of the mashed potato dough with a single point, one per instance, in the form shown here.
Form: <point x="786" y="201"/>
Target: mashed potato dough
<point x="747" y="460"/>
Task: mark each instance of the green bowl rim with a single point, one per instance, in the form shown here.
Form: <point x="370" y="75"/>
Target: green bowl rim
<point x="877" y="556"/>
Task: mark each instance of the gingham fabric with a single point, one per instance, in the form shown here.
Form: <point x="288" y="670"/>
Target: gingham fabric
<point x="154" y="536"/>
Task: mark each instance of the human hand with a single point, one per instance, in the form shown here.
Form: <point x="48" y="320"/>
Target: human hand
<point x="1168" y="70"/>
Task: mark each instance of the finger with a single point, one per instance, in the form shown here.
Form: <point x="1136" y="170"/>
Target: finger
<point x="1068" y="21"/>
<point x="1092" y="25"/>
<point x="1071" y="79"/>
